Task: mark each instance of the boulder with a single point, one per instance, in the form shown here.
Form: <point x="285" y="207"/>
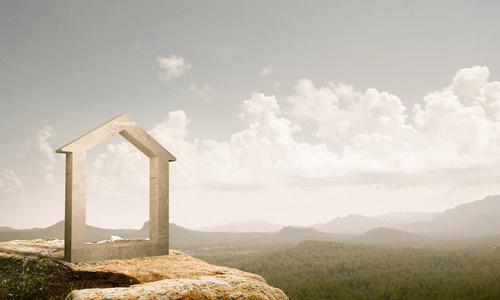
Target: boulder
<point x="35" y="270"/>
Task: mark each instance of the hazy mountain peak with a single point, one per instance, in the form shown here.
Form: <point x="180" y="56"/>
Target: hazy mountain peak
<point x="384" y="235"/>
<point x="353" y="223"/>
<point x="354" y="216"/>
<point x="406" y="217"/>
<point x="244" y="226"/>
<point x="470" y="219"/>
<point x="385" y="231"/>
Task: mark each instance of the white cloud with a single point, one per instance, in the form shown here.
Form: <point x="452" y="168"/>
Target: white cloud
<point x="366" y="136"/>
<point x="265" y="154"/>
<point x="266" y="71"/>
<point x="10" y="185"/>
<point x="35" y="185"/>
<point x="39" y="152"/>
<point x="341" y="114"/>
<point x="118" y="176"/>
<point x="204" y="92"/>
<point x="276" y="85"/>
<point x="460" y="124"/>
<point x="467" y="84"/>
<point x="174" y="127"/>
<point x="119" y="164"/>
<point x="362" y="138"/>
<point x="175" y="66"/>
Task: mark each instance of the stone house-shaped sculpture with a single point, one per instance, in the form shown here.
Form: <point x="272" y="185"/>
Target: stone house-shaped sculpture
<point x="75" y="248"/>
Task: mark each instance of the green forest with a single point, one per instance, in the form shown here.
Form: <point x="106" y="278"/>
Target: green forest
<point x="332" y="270"/>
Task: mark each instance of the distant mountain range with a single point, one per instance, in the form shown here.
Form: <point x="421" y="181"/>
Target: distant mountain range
<point x="478" y="221"/>
<point x="352" y="224"/>
<point x="244" y="226"/>
<point x="358" y="224"/>
<point x="2" y="229"/>
<point x="467" y="220"/>
<point x="57" y="231"/>
<point x="392" y="237"/>
<point x="398" y="218"/>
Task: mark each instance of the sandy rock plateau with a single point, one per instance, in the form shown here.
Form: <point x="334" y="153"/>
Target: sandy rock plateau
<point x="35" y="270"/>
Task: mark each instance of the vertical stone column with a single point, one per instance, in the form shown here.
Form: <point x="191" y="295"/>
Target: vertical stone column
<point x="153" y="199"/>
<point x="163" y="202"/>
<point x="74" y="225"/>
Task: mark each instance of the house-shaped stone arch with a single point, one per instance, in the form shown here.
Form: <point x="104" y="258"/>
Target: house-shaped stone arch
<point x="75" y="249"/>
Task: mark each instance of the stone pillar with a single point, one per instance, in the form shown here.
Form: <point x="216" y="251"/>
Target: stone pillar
<point x="163" y="202"/>
<point x="74" y="223"/>
<point x="154" y="218"/>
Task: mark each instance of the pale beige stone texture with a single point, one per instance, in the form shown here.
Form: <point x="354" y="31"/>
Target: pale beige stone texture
<point x="174" y="276"/>
<point x="75" y="249"/>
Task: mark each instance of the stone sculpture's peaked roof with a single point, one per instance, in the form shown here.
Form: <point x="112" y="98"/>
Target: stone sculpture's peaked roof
<point x="125" y="127"/>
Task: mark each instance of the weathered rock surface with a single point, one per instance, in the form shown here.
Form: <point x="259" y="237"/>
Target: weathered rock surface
<point x="35" y="270"/>
<point x="205" y="287"/>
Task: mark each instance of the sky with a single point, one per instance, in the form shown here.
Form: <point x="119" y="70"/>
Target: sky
<point x="295" y="112"/>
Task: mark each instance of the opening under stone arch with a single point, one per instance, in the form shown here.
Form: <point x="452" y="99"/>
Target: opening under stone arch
<point x="117" y="190"/>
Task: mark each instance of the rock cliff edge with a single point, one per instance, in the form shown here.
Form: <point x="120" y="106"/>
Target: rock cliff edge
<point x="35" y="270"/>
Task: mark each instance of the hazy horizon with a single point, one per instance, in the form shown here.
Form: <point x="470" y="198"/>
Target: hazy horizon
<point x="294" y="113"/>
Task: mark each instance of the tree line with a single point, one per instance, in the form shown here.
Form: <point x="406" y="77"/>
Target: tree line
<point x="332" y="270"/>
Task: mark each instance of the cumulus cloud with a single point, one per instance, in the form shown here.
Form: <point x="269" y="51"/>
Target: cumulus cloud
<point x="175" y="66"/>
<point x="457" y="127"/>
<point x="35" y="184"/>
<point x="367" y="131"/>
<point x="266" y="71"/>
<point x="173" y="127"/>
<point x="204" y="92"/>
<point x="372" y="132"/>
<point x="460" y="124"/>
<point x="120" y="163"/>
<point x="360" y="138"/>
<point x="263" y="155"/>
<point x="467" y="84"/>
<point x="10" y="185"/>
<point x="40" y="152"/>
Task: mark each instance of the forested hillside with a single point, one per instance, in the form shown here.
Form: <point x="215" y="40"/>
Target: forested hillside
<point x="331" y="270"/>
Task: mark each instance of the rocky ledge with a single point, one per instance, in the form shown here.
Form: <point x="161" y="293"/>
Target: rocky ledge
<point x="35" y="270"/>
